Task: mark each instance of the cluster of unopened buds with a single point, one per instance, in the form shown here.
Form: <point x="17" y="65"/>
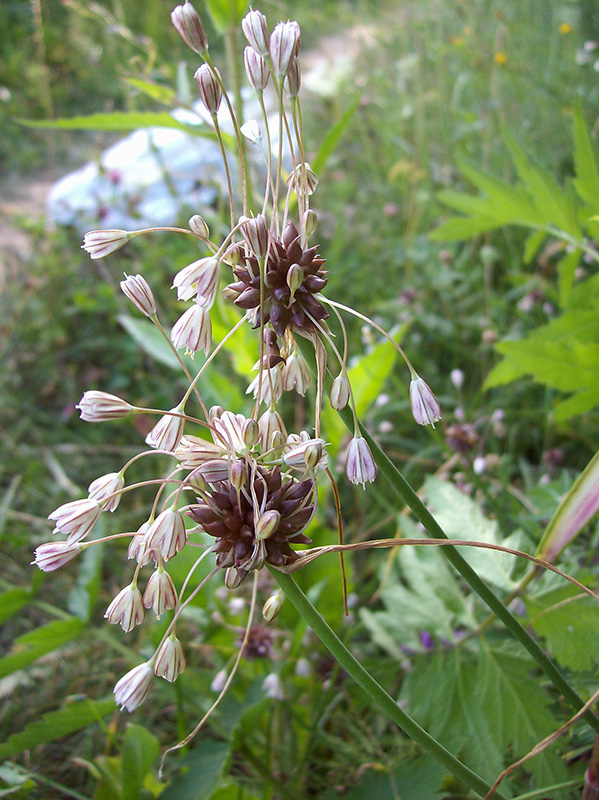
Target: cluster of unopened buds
<point x="245" y="481"/>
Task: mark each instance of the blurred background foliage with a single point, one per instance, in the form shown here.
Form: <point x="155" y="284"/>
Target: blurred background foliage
<point x="413" y="89"/>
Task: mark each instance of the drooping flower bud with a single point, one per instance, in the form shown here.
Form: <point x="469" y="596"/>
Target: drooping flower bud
<point x="102" y="407"/>
<point x="256" y="69"/>
<point x="360" y="466"/>
<point x="310" y="221"/>
<point x="272" y="606"/>
<point x="193" y="330"/>
<point x="101" y="243"/>
<point x="425" y="406"/>
<point x="167" y="432"/>
<point x="255" y="233"/>
<point x="137" y="289"/>
<point x="76" y="519"/>
<point x="200" y="278"/>
<point x="255" y="29"/>
<point x="170" y="659"/>
<point x="190" y="28"/>
<point x="303" y="179"/>
<point x="126" y="608"/>
<point x="199" y="227"/>
<point x="132" y="689"/>
<point x="167" y="533"/>
<point x="54" y="555"/>
<point x="160" y="594"/>
<point x="296" y="374"/>
<point x="107" y="489"/>
<point x="209" y="88"/>
<point x="284" y="45"/>
<point x="340" y="392"/>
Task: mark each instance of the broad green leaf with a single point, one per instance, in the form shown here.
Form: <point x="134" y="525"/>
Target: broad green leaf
<point x="578" y="403"/>
<point x="569" y="626"/>
<point x="139" y="751"/>
<point x="586" y="164"/>
<point x="417" y="779"/>
<point x="575" y="511"/>
<point x="149" y="338"/>
<point x="550" y="200"/>
<point x="72" y="717"/>
<point x="204" y="767"/>
<point x="226" y="14"/>
<point x="162" y="94"/>
<point x="532" y="245"/>
<point x="12" y="600"/>
<point x="117" y="121"/>
<point x="36" y="643"/>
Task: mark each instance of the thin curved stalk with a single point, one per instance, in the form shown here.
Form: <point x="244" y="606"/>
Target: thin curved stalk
<point x="374" y="690"/>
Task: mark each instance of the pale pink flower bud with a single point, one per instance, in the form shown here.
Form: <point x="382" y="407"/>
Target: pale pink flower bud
<point x="160" y="594"/>
<point x="199" y="227"/>
<point x="256" y="69"/>
<point x="232" y="578"/>
<point x="209" y="87"/>
<point x="215" y="470"/>
<point x="200" y="278"/>
<point x="273" y="686"/>
<point x="255" y="232"/>
<point x="284" y="45"/>
<point x="296" y="374"/>
<point x="167" y="432"/>
<point x="272" y="606"/>
<point x="133" y="688"/>
<point x="340" y="392"/>
<point x="54" y="555"/>
<point x="192" y="451"/>
<point x="457" y="378"/>
<point x="360" y="466"/>
<point x="295" y="277"/>
<point x="237" y="474"/>
<point x="270" y="423"/>
<point x="255" y="29"/>
<point x="167" y="533"/>
<point x="101" y="243"/>
<point x="137" y="289"/>
<point x="170" y="659"/>
<point x="107" y="489"/>
<point x="293" y="79"/>
<point x="76" y="518"/>
<point x="425" y="406"/>
<point x="126" y="608"/>
<point x="102" y="407"/>
<point x="303" y="179"/>
<point x="219" y="681"/>
<point x="268" y="524"/>
<point x="138" y="548"/>
<point x="251" y="433"/>
<point x="305" y="452"/>
<point x="189" y="27"/>
<point x="193" y="330"/>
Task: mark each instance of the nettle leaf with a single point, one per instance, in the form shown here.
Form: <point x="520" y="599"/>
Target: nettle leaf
<point x="586" y="163"/>
<point x="55" y="724"/>
<point x="486" y="708"/>
<point x="462" y="518"/>
<point x="569" y="622"/>
<point x="36" y="643"/>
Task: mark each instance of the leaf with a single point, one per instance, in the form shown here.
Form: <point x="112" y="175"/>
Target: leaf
<point x="586" y="164"/>
<point x="82" y="598"/>
<point x="162" y="94"/>
<point x="576" y="509"/>
<point x="566" y="270"/>
<point x="570" y="627"/>
<point x="36" y="643"/>
<point x="72" y="717"/>
<point x="415" y="779"/>
<point x="139" y="751"/>
<point x="205" y="765"/>
<point x="12" y="600"/>
<point x="333" y="137"/>
<point x="151" y="341"/>
<point x="226" y="14"/>
<point x="116" y="121"/>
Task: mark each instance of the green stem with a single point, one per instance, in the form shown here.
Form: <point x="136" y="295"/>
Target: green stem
<point x="373" y="689"/>
<point x="403" y="490"/>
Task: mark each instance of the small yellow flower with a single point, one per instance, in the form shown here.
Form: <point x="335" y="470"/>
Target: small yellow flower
<point x="565" y="28"/>
<point x="457" y="41"/>
<point x="501" y="58"/>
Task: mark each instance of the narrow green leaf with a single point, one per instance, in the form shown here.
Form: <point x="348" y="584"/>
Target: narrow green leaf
<point x="73" y="717"/>
<point x="162" y="94"/>
<point x="139" y="751"/>
<point x="458" y="228"/>
<point x="586" y="164"/>
<point x="115" y="121"/>
<point x="36" y="643"/>
<point x="151" y="341"/>
<point x="577" y="508"/>
<point x="205" y="765"/>
<point x="532" y="245"/>
<point x="82" y="598"/>
<point x="12" y="600"/>
<point x="333" y="137"/>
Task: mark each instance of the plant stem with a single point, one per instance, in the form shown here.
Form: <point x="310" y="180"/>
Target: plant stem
<point x="373" y="689"/>
<point x="403" y="490"/>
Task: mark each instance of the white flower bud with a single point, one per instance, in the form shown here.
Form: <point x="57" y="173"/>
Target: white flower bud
<point x="201" y="278"/>
<point x="340" y="391"/>
<point x="167" y="533"/>
<point x="425" y="406"/>
<point x="199" y="227"/>
<point x="193" y="330"/>
<point x="160" y="594"/>
<point x="256" y="69"/>
<point x="209" y="87"/>
<point x="102" y="407"/>
<point x="189" y="27"/>
<point x="133" y="688"/>
<point x="170" y="659"/>
<point x="126" y="608"/>
<point x="360" y="466"/>
<point x="54" y="555"/>
<point x="284" y="45"/>
<point x="107" y="489"/>
<point x="167" y="432"/>
<point x="76" y="518"/>
<point x="255" y="30"/>
<point x="101" y="243"/>
<point x="268" y="524"/>
<point x="137" y="289"/>
<point x="272" y="606"/>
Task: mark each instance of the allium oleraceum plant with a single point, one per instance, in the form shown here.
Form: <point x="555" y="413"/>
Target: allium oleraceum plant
<point x="248" y="482"/>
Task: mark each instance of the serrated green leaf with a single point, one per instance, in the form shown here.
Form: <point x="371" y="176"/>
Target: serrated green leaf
<point x="571" y="629"/>
<point x="566" y="270"/>
<point x="72" y="717"/>
<point x="139" y="751"/>
<point x="36" y="643"/>
<point x="417" y="779"/>
<point x="162" y="94"/>
<point x="586" y="164"/>
<point x="509" y="202"/>
<point x="208" y="760"/>
<point x="458" y="228"/>
<point x="579" y="403"/>
<point x="532" y="245"/>
<point x="117" y="121"/>
<point x="12" y="600"/>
